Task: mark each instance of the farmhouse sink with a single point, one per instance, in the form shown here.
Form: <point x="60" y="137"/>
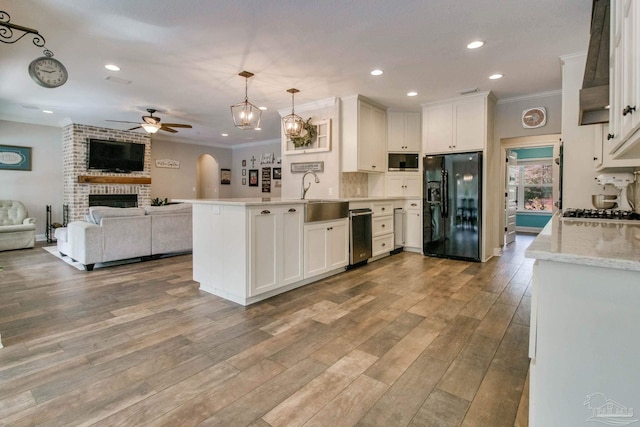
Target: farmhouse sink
<point x="325" y="210"/>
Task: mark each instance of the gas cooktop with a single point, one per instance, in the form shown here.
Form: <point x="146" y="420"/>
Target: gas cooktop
<point x="604" y="214"/>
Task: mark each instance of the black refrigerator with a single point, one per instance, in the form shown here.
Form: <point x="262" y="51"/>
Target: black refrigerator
<point x="452" y="205"/>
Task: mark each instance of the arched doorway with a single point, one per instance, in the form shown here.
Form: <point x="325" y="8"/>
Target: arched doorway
<point x="207" y="177"/>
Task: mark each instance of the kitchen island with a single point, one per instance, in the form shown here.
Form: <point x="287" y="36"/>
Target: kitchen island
<point x="585" y="311"/>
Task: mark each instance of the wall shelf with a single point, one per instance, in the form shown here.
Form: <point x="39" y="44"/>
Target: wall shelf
<point x="87" y="179"/>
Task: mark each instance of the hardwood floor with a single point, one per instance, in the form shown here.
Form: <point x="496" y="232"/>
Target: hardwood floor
<point x="405" y="341"/>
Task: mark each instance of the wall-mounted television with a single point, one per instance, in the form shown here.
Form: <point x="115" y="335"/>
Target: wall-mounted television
<point x="116" y="156"/>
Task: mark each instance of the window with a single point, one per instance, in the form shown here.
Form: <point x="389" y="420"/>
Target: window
<point x="535" y="185"/>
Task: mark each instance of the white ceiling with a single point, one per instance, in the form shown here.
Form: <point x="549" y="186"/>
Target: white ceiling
<point x="183" y="57"/>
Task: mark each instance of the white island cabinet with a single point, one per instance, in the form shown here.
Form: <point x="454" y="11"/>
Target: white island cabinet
<point x="585" y="311"/>
<point x="326" y="246"/>
<point x="247" y="250"/>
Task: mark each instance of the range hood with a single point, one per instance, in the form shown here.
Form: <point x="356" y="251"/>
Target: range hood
<point x="594" y="95"/>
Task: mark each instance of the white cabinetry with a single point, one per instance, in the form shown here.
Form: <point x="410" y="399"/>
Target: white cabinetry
<point x="382" y="228"/>
<point x="624" y="75"/>
<point x="602" y="159"/>
<point x="403" y="131"/>
<point x="275" y="245"/>
<point x="404" y="185"/>
<point x="363" y="130"/>
<point x="457" y="125"/>
<point x="413" y="225"/>
<point x="326" y="246"/>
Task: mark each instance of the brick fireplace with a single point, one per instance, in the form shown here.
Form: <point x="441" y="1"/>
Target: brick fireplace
<point x="75" y="140"/>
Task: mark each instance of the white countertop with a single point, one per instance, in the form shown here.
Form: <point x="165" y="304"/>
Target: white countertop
<point x="610" y="244"/>
<point x="261" y="201"/>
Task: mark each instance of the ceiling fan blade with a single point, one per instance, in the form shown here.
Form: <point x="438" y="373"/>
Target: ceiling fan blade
<point x="137" y="127"/>
<point x="166" y="129"/>
<point x="177" y="125"/>
<point x="119" y="121"/>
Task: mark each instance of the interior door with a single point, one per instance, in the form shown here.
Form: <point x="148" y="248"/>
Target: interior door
<point x="511" y="193"/>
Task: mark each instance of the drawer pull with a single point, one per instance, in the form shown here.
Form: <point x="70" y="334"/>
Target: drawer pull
<point x="414" y="204"/>
<point x="329" y="228"/>
<point x="610" y="136"/>
<point x="265" y="212"/>
<point x="384" y="244"/>
<point x="291" y="210"/>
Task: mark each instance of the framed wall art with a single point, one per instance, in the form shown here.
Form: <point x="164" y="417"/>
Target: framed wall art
<point x="316" y="139"/>
<point x="253" y="177"/>
<point x="277" y="173"/>
<point x="13" y="157"/>
<point x="225" y="176"/>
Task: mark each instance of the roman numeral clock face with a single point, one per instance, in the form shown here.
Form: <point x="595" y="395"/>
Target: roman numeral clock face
<point x="48" y="72"/>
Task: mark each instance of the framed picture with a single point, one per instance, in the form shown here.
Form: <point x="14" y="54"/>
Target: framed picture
<point x="253" y="177"/>
<point x="225" y="176"/>
<point x="277" y="173"/>
<point x="244" y="163"/>
<point x="15" y="158"/>
<point x="266" y="180"/>
<point x="244" y="181"/>
<point x="244" y="172"/>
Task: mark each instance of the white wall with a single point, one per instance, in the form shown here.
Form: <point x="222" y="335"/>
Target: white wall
<point x="329" y="185"/>
<point x="508" y="120"/>
<point x="255" y="150"/>
<point x="43" y="185"/>
<point x="579" y="173"/>
<point x="181" y="183"/>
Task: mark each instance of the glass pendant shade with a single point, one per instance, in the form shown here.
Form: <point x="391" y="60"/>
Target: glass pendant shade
<point x="150" y="128"/>
<point x="292" y="124"/>
<point x="245" y="114"/>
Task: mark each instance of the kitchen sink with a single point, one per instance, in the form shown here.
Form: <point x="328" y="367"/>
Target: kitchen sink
<point x="325" y="210"/>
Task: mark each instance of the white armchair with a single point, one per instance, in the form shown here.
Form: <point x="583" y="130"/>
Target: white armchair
<point x="17" y="230"/>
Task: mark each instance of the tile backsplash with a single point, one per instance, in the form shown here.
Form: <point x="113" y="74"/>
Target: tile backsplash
<point x="354" y="184"/>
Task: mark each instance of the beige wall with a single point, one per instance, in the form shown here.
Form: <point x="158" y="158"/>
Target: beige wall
<point x="508" y="119"/>
<point x="255" y="150"/>
<point x="43" y="185"/>
<point x="181" y="183"/>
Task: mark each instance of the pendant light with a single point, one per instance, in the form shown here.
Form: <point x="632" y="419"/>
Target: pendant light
<point x="245" y="114"/>
<point x="292" y="124"/>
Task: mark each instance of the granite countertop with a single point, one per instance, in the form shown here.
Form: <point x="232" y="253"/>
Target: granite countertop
<point x="260" y="201"/>
<point x="610" y="244"/>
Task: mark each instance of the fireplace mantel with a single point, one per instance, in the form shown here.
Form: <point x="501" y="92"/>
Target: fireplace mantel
<point x="88" y="179"/>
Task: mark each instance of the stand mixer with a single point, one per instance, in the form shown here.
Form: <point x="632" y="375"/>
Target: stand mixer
<point x="621" y="181"/>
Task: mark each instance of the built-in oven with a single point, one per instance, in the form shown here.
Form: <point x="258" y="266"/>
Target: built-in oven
<point x="404" y="161"/>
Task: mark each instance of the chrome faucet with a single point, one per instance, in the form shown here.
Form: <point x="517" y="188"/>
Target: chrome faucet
<point x="303" y="189"/>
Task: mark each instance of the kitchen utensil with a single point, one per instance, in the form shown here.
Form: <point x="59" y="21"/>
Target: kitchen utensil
<point x="603" y="201"/>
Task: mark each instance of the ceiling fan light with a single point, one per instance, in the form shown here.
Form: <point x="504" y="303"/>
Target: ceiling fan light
<point x="245" y="114"/>
<point x="292" y="124"/>
<point x="150" y="128"/>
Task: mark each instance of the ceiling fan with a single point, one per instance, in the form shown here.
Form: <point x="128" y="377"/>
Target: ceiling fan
<point x="152" y="124"/>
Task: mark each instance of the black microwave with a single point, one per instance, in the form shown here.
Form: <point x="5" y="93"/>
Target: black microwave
<point x="404" y="161"/>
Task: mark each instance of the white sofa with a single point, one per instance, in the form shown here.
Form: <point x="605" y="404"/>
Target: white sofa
<point x="17" y="229"/>
<point x="111" y="234"/>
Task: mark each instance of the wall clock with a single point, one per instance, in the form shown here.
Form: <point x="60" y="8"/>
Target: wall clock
<point x="48" y="72"/>
<point x="534" y="117"/>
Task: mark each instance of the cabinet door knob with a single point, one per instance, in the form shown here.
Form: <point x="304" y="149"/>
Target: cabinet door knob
<point x="292" y="210"/>
<point x="595" y="158"/>
<point x="373" y="166"/>
<point x="610" y="136"/>
<point x="414" y="204"/>
<point x="383" y="225"/>
<point x="384" y="244"/>
<point x="265" y="212"/>
<point x="383" y="208"/>
<point x="628" y="110"/>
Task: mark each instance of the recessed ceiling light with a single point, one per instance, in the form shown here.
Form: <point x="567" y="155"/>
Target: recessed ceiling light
<point x="475" y="44"/>
<point x="258" y="128"/>
<point x="47" y="111"/>
<point x="263" y="108"/>
<point x="112" y="67"/>
<point x="377" y="72"/>
<point x="412" y="93"/>
<point x="224" y="134"/>
<point x="495" y="76"/>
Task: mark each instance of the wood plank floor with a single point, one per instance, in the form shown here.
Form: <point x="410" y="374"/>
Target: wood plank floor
<point x="405" y="341"/>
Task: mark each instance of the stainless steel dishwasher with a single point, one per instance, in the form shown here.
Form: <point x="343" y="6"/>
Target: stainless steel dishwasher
<point x="360" y="248"/>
